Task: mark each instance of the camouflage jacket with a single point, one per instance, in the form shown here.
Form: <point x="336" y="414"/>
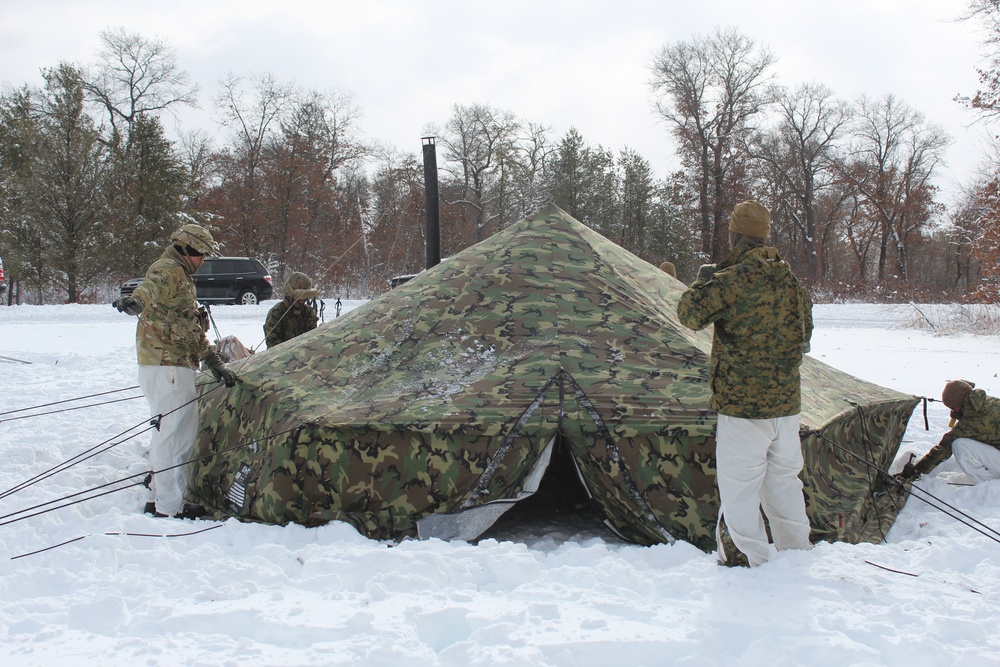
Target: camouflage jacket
<point x="286" y="320"/>
<point x="763" y="324"/>
<point x="980" y="421"/>
<point x="170" y="330"/>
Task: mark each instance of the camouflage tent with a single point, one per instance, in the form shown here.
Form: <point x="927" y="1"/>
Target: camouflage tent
<point x="433" y="407"/>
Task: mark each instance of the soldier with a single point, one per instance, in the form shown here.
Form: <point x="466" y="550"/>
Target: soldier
<point x="291" y="316"/>
<point x="974" y="438"/>
<point x="170" y="342"/>
<point x="763" y="324"/>
<point x="669" y="269"/>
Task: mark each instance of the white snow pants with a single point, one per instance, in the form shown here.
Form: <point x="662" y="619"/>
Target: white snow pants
<point x="978" y="460"/>
<point x="170" y="389"/>
<point x="758" y="462"/>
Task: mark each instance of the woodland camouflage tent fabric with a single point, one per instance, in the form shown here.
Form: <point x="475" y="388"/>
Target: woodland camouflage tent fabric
<point x="443" y="395"/>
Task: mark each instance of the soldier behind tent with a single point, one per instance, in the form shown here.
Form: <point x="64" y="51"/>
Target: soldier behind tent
<point x="974" y="439"/>
<point x="293" y="315"/>
<point x="669" y="269"/>
<point x="170" y="343"/>
<point x="763" y="323"/>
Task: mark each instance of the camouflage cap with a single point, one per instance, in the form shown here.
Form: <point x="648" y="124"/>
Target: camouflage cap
<point x="299" y="287"/>
<point x="195" y="237"/>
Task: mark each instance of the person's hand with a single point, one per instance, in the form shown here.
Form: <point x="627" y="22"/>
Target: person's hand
<point x="127" y="305"/>
<point x="705" y="273"/>
<point x="908" y="473"/>
<point x="219" y="370"/>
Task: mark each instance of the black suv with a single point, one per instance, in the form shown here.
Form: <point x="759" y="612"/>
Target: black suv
<point x="242" y="280"/>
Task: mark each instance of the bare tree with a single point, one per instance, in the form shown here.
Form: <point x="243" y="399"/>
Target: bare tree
<point x="479" y="142"/>
<point x="137" y="76"/>
<point x="894" y="154"/>
<point x="318" y="145"/>
<point x="709" y="89"/>
<point x="253" y="117"/>
<point x="530" y="166"/>
<point x="800" y="155"/>
<point x="987" y="98"/>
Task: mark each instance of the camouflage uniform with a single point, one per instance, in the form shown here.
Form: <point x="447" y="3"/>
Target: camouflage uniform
<point x="170" y="343"/>
<point x="170" y="331"/>
<point x="763" y="323"/>
<point x="287" y="319"/>
<point x="978" y="422"/>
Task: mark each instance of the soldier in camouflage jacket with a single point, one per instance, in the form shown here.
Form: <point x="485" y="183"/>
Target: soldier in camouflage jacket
<point x="974" y="438"/>
<point x="170" y="344"/>
<point x="291" y="316"/>
<point x="763" y="323"/>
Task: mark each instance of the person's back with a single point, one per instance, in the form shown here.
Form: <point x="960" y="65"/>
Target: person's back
<point x="761" y="318"/>
<point x="763" y="323"/>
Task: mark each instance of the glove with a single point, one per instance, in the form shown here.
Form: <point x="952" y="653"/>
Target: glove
<point x="219" y="370"/>
<point x="908" y="473"/>
<point x="127" y="305"/>
<point x="705" y="273"/>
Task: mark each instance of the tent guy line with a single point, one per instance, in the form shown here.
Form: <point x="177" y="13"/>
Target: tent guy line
<point x="154" y="422"/>
<point x="913" y="487"/>
<point x="116" y="534"/>
<point x="144" y="474"/>
<point x="69" y="400"/>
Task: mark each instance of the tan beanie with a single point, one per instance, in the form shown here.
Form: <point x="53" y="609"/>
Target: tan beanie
<point x="750" y="219"/>
<point x="668" y="268"/>
<point x="954" y="394"/>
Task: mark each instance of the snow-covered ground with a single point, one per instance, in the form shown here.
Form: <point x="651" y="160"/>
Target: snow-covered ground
<point x="123" y="588"/>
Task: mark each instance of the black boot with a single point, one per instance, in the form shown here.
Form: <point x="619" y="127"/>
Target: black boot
<point x="191" y="512"/>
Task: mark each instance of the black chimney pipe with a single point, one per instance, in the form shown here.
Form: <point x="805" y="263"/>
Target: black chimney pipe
<point x="433" y="244"/>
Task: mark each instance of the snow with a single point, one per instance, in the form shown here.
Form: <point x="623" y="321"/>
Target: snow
<point x="555" y="593"/>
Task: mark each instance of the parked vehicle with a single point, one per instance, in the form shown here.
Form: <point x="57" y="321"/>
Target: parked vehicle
<point x="396" y="281"/>
<point x="241" y="280"/>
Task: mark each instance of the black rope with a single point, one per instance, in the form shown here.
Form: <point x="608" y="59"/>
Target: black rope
<point x="154" y="422"/>
<point x="914" y="488"/>
<point x="69" y="400"/>
<point x="866" y="443"/>
<point x="912" y="574"/>
<point x="142" y="474"/>
<point x="79" y="458"/>
<point x="318" y="279"/>
<point x="117" y="533"/>
<point x="79" y="407"/>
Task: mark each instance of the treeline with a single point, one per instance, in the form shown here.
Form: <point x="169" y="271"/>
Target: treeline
<point x="90" y="185"/>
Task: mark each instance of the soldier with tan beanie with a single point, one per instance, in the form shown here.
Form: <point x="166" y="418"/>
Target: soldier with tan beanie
<point x="763" y="323"/>
<point x="974" y="438"/>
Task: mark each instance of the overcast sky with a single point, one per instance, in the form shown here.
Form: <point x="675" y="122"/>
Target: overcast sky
<point x="559" y="63"/>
